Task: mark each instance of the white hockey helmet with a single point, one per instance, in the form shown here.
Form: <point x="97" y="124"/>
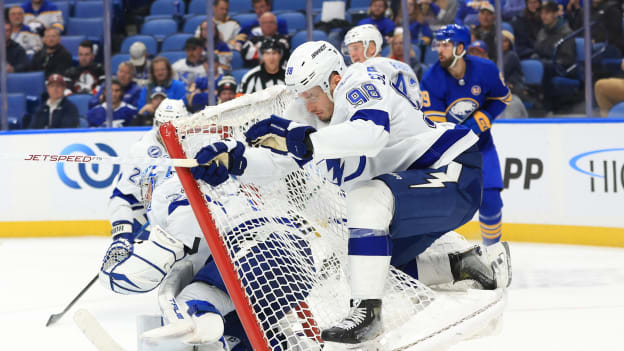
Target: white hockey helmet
<point x="140" y="267"/>
<point x="169" y="110"/>
<point x="366" y="33"/>
<point x="311" y="64"/>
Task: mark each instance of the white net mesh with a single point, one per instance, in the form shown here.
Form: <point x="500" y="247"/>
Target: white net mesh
<point x="288" y="239"/>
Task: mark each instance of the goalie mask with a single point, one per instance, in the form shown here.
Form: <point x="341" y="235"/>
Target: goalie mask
<point x="169" y="110"/>
<point x="311" y="64"/>
<point x="151" y="177"/>
<point x="136" y="268"/>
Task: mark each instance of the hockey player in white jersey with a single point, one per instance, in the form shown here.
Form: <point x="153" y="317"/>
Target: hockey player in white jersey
<point x="407" y="180"/>
<point x="125" y="210"/>
<point x="362" y="42"/>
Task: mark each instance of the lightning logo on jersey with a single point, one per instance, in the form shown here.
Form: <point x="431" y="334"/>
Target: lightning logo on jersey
<point x="453" y="170"/>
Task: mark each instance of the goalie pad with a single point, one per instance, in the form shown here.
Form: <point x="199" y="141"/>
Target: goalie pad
<point x="133" y="268"/>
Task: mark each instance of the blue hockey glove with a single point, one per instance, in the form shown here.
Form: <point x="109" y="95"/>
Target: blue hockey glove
<point x="282" y="136"/>
<point x="219" y="160"/>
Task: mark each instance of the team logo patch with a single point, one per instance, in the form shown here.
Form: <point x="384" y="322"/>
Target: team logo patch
<point x="289" y="70"/>
<point x="154" y="151"/>
<point x="475" y="90"/>
<point x="462" y="109"/>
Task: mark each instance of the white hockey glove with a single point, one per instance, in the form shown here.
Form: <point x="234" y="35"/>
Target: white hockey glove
<point x="205" y="329"/>
<point x="282" y="136"/>
<point x="122" y="230"/>
<point x="132" y="268"/>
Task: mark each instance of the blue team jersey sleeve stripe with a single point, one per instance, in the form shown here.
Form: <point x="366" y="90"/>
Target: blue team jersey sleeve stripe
<point x="444" y="142"/>
<point x="128" y="197"/>
<point x="379" y="117"/>
<point x="176" y="204"/>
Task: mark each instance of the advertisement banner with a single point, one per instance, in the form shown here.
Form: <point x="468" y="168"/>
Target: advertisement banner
<point x="562" y="173"/>
<point x="45" y="191"/>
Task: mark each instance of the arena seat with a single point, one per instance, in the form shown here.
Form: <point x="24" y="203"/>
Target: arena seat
<point x="91" y="27"/>
<point x="533" y="71"/>
<point x="118" y="59"/>
<point x="28" y="83"/>
<point x="175" y="42"/>
<point x="89" y="9"/>
<point x="159" y="28"/>
<point x="82" y="103"/>
<point x="296" y="21"/>
<point x="167" y="7"/>
<point x="173" y="56"/>
<point x="71" y="43"/>
<point x="239" y="73"/>
<point x="301" y="37"/>
<point x="617" y="111"/>
<point x="237" y="60"/>
<point x="192" y="23"/>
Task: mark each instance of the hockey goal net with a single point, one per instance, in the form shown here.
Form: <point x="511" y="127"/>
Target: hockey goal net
<point x="281" y="246"/>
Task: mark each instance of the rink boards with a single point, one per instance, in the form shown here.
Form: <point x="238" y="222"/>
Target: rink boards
<point x="564" y="181"/>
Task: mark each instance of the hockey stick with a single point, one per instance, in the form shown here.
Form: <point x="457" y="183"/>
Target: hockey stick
<point x="94" y="331"/>
<point x="221" y="158"/>
<point x="55" y="317"/>
<point x="55" y="158"/>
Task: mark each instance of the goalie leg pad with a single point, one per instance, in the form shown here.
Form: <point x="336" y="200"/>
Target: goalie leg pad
<point x="132" y="268"/>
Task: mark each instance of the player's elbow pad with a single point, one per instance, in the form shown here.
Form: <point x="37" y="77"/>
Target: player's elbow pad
<point x="479" y="122"/>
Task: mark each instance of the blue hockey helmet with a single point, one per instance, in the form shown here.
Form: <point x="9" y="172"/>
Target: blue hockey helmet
<point x="453" y="33"/>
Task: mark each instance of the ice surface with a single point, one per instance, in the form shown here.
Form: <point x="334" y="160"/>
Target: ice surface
<point x="562" y="298"/>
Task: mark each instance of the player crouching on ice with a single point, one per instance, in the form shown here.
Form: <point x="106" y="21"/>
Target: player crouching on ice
<point x="407" y="180"/>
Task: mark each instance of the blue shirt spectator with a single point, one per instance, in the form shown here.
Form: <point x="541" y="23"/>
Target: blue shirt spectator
<point x="123" y="113"/>
<point x="161" y="75"/>
<point x="131" y="91"/>
<point x="377" y="10"/>
<point x="469" y="11"/>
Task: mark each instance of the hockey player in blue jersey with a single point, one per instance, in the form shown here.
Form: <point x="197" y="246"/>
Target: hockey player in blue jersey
<point x="407" y="180"/>
<point x="470" y="91"/>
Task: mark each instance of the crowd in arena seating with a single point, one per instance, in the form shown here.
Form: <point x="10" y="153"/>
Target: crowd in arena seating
<point x="159" y="50"/>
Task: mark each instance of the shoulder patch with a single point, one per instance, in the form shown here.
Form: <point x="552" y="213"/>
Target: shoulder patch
<point x="154" y="151"/>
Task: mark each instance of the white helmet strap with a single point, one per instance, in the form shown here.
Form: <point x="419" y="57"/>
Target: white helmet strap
<point x="456" y="57"/>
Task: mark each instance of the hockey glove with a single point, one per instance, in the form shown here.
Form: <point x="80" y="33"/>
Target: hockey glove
<point x="282" y="136"/>
<point x="479" y="122"/>
<point x="219" y="160"/>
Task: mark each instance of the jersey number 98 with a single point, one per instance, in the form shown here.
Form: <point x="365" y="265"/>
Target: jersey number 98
<point x="363" y="94"/>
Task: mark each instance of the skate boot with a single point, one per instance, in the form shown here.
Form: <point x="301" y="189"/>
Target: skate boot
<point x="471" y="264"/>
<point x="363" y="324"/>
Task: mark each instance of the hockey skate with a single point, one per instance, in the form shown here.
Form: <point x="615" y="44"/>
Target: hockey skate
<point x="363" y="324"/>
<point x="471" y="265"/>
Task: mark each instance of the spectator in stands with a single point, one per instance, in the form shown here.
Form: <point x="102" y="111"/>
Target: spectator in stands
<point x="161" y="75"/>
<point x="396" y="52"/>
<point x="193" y="66"/>
<point x="53" y="58"/>
<point x="42" y="14"/>
<point x="228" y="27"/>
<point x="268" y="26"/>
<point x="226" y="91"/>
<point x="260" y="8"/>
<point x="145" y="117"/>
<point x="269" y="72"/>
<point x="608" y="17"/>
<point x="436" y="13"/>
<point x="87" y="76"/>
<point x="21" y="33"/>
<point x="469" y="11"/>
<point x="131" y="91"/>
<point x="526" y="28"/>
<point x="16" y="55"/>
<point x="419" y="28"/>
<point x="57" y="111"/>
<point x="514" y="77"/>
<point x="123" y="113"/>
<point x="513" y="9"/>
<point x="609" y="92"/>
<point x="222" y="51"/>
<point x="515" y="108"/>
<point x="378" y="18"/>
<point x="554" y="29"/>
<point x="486" y="29"/>
<point x="138" y="58"/>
